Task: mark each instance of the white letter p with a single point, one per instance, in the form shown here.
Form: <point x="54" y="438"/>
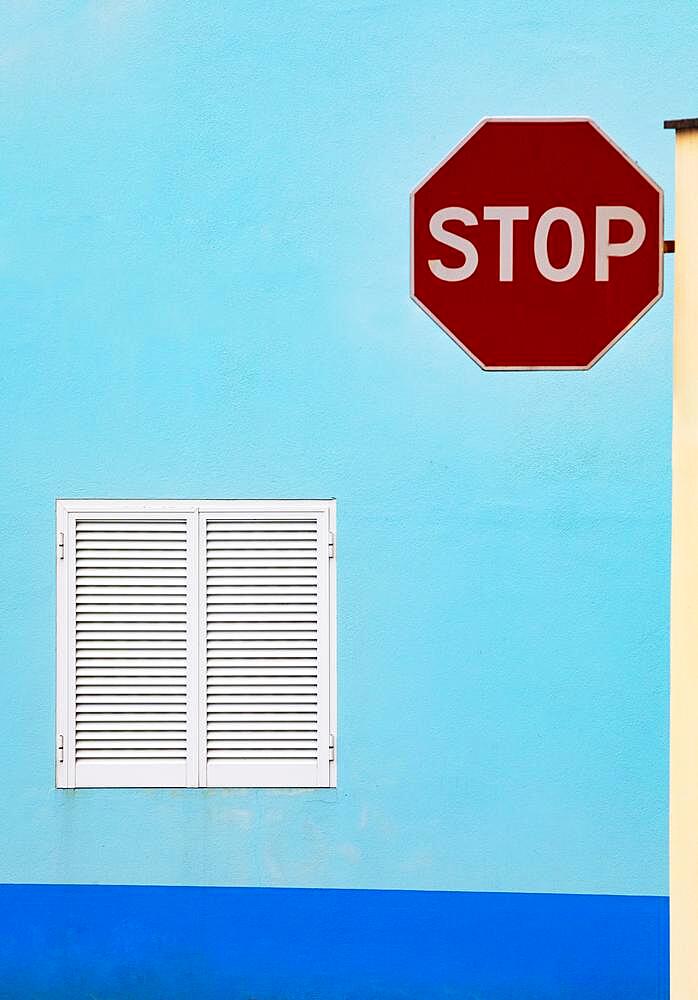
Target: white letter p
<point x="604" y="248"/>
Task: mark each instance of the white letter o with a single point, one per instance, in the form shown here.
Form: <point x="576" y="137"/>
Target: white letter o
<point x="540" y="243"/>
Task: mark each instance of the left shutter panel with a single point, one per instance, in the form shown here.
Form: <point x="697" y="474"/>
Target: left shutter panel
<point x="131" y="649"/>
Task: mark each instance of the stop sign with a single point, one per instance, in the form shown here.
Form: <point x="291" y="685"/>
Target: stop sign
<point x="536" y="243"/>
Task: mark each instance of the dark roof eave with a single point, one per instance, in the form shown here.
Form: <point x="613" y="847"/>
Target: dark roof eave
<point x="681" y="123"/>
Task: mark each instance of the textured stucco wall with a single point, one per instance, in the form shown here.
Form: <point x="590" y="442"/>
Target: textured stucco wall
<point x="203" y="264"/>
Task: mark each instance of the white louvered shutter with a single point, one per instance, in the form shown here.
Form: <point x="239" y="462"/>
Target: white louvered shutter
<point x="130" y="640"/>
<point x="265" y="648"/>
<point x="195" y="644"/>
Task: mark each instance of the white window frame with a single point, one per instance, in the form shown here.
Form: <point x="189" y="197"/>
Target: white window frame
<point x="67" y="511"/>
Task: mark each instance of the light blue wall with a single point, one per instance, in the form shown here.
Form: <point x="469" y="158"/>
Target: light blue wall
<point x="203" y="292"/>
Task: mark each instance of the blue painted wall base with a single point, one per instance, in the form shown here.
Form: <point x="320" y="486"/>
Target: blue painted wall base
<point x="162" y="943"/>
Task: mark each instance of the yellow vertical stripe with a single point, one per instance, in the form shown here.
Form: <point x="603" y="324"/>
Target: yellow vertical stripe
<point x="684" y="582"/>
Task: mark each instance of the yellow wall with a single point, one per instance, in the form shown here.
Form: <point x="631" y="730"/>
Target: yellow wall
<point x="684" y="583"/>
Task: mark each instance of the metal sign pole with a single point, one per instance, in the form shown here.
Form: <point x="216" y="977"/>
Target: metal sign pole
<point x="684" y="577"/>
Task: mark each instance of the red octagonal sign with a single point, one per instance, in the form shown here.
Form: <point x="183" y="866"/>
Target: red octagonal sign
<point x="536" y="243"/>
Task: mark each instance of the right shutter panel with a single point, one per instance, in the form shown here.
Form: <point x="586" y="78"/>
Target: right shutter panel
<point x="265" y="646"/>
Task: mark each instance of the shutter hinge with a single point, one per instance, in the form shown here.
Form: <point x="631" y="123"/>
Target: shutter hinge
<point x="61" y="545"/>
<point x="332" y="545"/>
<point x="332" y="747"/>
<point x="60" y="749"/>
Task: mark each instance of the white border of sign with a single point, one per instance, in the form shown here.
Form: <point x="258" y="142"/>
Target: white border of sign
<point x="539" y="368"/>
